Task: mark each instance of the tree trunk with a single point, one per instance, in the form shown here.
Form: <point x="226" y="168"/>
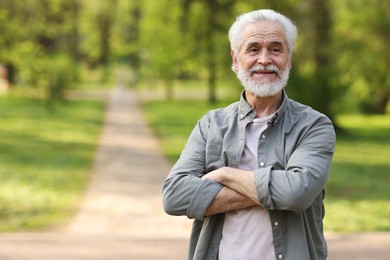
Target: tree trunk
<point x="134" y="57"/>
<point x="322" y="40"/>
<point x="211" y="63"/>
<point x="105" y="19"/>
<point x="74" y="39"/>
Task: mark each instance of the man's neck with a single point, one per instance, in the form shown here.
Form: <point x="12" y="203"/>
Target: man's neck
<point x="264" y="106"/>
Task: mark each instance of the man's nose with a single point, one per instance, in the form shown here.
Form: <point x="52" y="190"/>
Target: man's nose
<point x="264" y="57"/>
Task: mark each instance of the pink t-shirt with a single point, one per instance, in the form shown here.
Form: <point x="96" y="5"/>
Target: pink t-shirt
<point x="247" y="233"/>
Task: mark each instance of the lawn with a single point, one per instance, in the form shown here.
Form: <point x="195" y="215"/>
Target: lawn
<point x="358" y="190"/>
<point x="45" y="159"/>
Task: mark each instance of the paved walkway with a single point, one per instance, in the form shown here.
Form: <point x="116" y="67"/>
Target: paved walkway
<point x="121" y="215"/>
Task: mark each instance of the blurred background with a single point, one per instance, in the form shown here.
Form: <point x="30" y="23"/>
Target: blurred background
<point x="58" y="59"/>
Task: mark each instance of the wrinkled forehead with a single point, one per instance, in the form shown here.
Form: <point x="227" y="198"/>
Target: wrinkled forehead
<point x="264" y="31"/>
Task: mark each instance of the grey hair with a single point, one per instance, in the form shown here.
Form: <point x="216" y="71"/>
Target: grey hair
<point x="237" y="28"/>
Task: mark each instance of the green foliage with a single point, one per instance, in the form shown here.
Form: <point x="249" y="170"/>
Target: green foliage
<point x="363" y="58"/>
<point x="45" y="159"/>
<point x="35" y="41"/>
<point x="54" y="77"/>
<point x="341" y="50"/>
<point x="358" y="189"/>
<point x="160" y="41"/>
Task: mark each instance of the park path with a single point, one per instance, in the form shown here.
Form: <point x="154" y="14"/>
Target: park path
<point x="121" y="214"/>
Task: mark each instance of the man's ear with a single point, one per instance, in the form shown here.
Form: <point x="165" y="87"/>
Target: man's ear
<point x="289" y="65"/>
<point x="235" y="62"/>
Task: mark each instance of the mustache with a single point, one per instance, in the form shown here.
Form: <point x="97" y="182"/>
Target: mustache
<point x="259" y="67"/>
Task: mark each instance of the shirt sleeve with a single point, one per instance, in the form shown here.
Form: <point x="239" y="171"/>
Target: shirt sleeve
<point x="296" y="187"/>
<point x="184" y="192"/>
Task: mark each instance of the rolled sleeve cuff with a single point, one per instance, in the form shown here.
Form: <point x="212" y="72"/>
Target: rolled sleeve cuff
<point x="262" y="180"/>
<point x="202" y="198"/>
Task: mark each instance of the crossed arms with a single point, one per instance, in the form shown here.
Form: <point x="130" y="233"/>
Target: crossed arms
<point x="198" y="184"/>
<point x="239" y="190"/>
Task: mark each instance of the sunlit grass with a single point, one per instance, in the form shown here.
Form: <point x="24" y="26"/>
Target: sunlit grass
<point x="172" y="122"/>
<point x="45" y="159"/>
<point x="347" y="215"/>
<point x="358" y="190"/>
<point x="187" y="89"/>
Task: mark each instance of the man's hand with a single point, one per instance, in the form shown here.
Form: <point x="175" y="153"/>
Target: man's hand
<point x="228" y="200"/>
<point x="239" y="191"/>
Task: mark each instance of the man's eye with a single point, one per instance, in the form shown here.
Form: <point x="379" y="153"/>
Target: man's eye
<point x="253" y="50"/>
<point x="275" y="50"/>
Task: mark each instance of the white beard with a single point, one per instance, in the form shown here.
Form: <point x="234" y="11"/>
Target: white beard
<point x="264" y="88"/>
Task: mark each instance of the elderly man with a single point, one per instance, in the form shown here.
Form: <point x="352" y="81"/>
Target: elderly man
<point x="252" y="174"/>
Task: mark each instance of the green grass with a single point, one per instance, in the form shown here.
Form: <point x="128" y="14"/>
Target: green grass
<point x="45" y="159"/>
<point x="172" y="122"/>
<point x="358" y="190"/>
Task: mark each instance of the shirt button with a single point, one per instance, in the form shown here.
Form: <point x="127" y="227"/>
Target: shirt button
<point x="263" y="136"/>
<point x="280" y="256"/>
<point x="262" y="164"/>
<point x="276" y="224"/>
<point x="241" y="116"/>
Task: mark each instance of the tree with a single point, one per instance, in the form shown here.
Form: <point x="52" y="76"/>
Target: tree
<point x="104" y="19"/>
<point x="39" y="41"/>
<point x="126" y="47"/>
<point x="364" y="59"/>
<point x="96" y="24"/>
<point x="160" y="41"/>
<point x="133" y="38"/>
<point x="322" y="24"/>
<point x="214" y="23"/>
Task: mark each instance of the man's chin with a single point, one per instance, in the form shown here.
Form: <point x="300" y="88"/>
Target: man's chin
<point x="264" y="80"/>
<point x="263" y="90"/>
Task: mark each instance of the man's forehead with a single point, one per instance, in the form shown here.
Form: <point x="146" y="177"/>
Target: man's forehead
<point x="264" y="30"/>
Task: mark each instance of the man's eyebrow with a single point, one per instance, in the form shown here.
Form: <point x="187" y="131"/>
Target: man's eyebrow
<point x="277" y="43"/>
<point x="251" y="44"/>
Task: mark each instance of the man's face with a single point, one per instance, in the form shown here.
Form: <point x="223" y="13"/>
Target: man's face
<point x="263" y="64"/>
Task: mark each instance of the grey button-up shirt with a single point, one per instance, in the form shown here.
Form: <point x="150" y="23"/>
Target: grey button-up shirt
<point x="294" y="157"/>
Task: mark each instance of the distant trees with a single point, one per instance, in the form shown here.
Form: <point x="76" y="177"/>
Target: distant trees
<point x="213" y="28"/>
<point x="362" y="37"/>
<point x="341" y="62"/>
<point x="38" y="41"/>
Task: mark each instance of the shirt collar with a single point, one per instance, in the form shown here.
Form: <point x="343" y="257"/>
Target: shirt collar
<point x="245" y="110"/>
